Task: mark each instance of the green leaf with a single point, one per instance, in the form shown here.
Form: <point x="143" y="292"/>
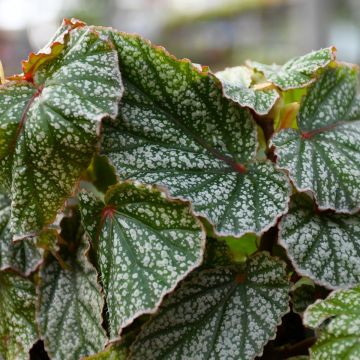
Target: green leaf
<point x="222" y="313"/>
<point x="70" y="305"/>
<point x="236" y="82"/>
<point x="176" y="129"/>
<point x="298" y="72"/>
<point x="23" y="256"/>
<point x="17" y="316"/>
<point x="113" y="352"/>
<point x="310" y="237"/>
<point x="145" y="243"/>
<point x="340" y="338"/>
<point x="323" y="155"/>
<point x="49" y="128"/>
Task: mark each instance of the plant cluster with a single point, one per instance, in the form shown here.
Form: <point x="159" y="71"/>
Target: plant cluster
<point x="152" y="209"/>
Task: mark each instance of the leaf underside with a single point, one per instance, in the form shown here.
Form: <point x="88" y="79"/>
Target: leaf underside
<point x="323" y="155"/>
<point x="339" y="338"/>
<point x="222" y="313"/>
<point x="49" y="128"/>
<point x="297" y="72"/>
<point x="70" y="307"/>
<point x="145" y="245"/>
<point x="176" y="129"/>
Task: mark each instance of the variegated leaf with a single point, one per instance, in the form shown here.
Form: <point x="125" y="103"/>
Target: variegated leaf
<point x="17" y="316"/>
<point x="340" y="336"/>
<point x="176" y="129"/>
<point x="237" y="87"/>
<point x="297" y="72"/>
<point x="70" y="304"/>
<point x="325" y="247"/>
<point x="145" y="244"/>
<point x="222" y="313"/>
<point x="113" y="352"/>
<point x="323" y="154"/>
<point x="23" y="256"/>
<point x="49" y="127"/>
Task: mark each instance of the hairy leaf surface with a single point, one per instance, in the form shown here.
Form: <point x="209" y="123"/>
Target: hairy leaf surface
<point x="323" y="155"/>
<point x="145" y="243"/>
<point x="17" y="316"/>
<point x="176" y="129"/>
<point x="340" y="337"/>
<point x="297" y="72"/>
<point x="237" y="87"/>
<point x="70" y="306"/>
<point x="322" y="246"/>
<point x="222" y="313"/>
<point x="49" y="127"/>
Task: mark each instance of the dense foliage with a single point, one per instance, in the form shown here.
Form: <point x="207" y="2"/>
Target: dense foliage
<point x="152" y="209"/>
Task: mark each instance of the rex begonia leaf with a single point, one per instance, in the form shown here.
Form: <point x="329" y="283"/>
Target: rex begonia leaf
<point x="23" y="256"/>
<point x="297" y="72"/>
<point x="237" y="87"/>
<point x="323" y="154"/>
<point x="323" y="246"/>
<point x="340" y="337"/>
<point x="70" y="304"/>
<point x="220" y="313"/>
<point x="49" y="126"/>
<point x="176" y="129"/>
<point x="18" y="330"/>
<point x="145" y="245"/>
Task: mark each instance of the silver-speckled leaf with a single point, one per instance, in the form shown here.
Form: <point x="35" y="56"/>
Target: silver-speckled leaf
<point x="340" y="338"/>
<point x="222" y="313"/>
<point x="325" y="247"/>
<point x="49" y="127"/>
<point x="17" y="316"/>
<point x="23" y="256"/>
<point x="323" y="155"/>
<point x="176" y="129"/>
<point x="237" y="87"/>
<point x="70" y="304"/>
<point x="145" y="245"/>
<point x="297" y="72"/>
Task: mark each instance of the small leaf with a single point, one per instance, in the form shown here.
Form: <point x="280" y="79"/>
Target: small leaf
<point x="323" y="155"/>
<point x="49" y="128"/>
<point x="23" y="256"/>
<point x="145" y="243"/>
<point x="340" y="337"/>
<point x="297" y="72"/>
<point x="17" y="316"/>
<point x="311" y="237"/>
<point x="70" y="306"/>
<point x="237" y="87"/>
<point x="222" y="313"/>
<point x="177" y="130"/>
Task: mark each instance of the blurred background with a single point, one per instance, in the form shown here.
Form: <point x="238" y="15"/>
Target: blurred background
<point x="217" y="33"/>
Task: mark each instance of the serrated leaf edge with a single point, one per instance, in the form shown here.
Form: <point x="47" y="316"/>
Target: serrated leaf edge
<point x="274" y="329"/>
<point x="157" y="188"/>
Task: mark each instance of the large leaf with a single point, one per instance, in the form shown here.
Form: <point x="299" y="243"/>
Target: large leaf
<point x="22" y="256"/>
<point x="49" y="127"/>
<point x="145" y="243"/>
<point x="340" y="338"/>
<point x="310" y="237"/>
<point x="323" y="155"/>
<point x="297" y="72"/>
<point x="176" y="129"/>
<point x="17" y="316"/>
<point x="222" y="313"/>
<point x="70" y="306"/>
<point x="237" y="86"/>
